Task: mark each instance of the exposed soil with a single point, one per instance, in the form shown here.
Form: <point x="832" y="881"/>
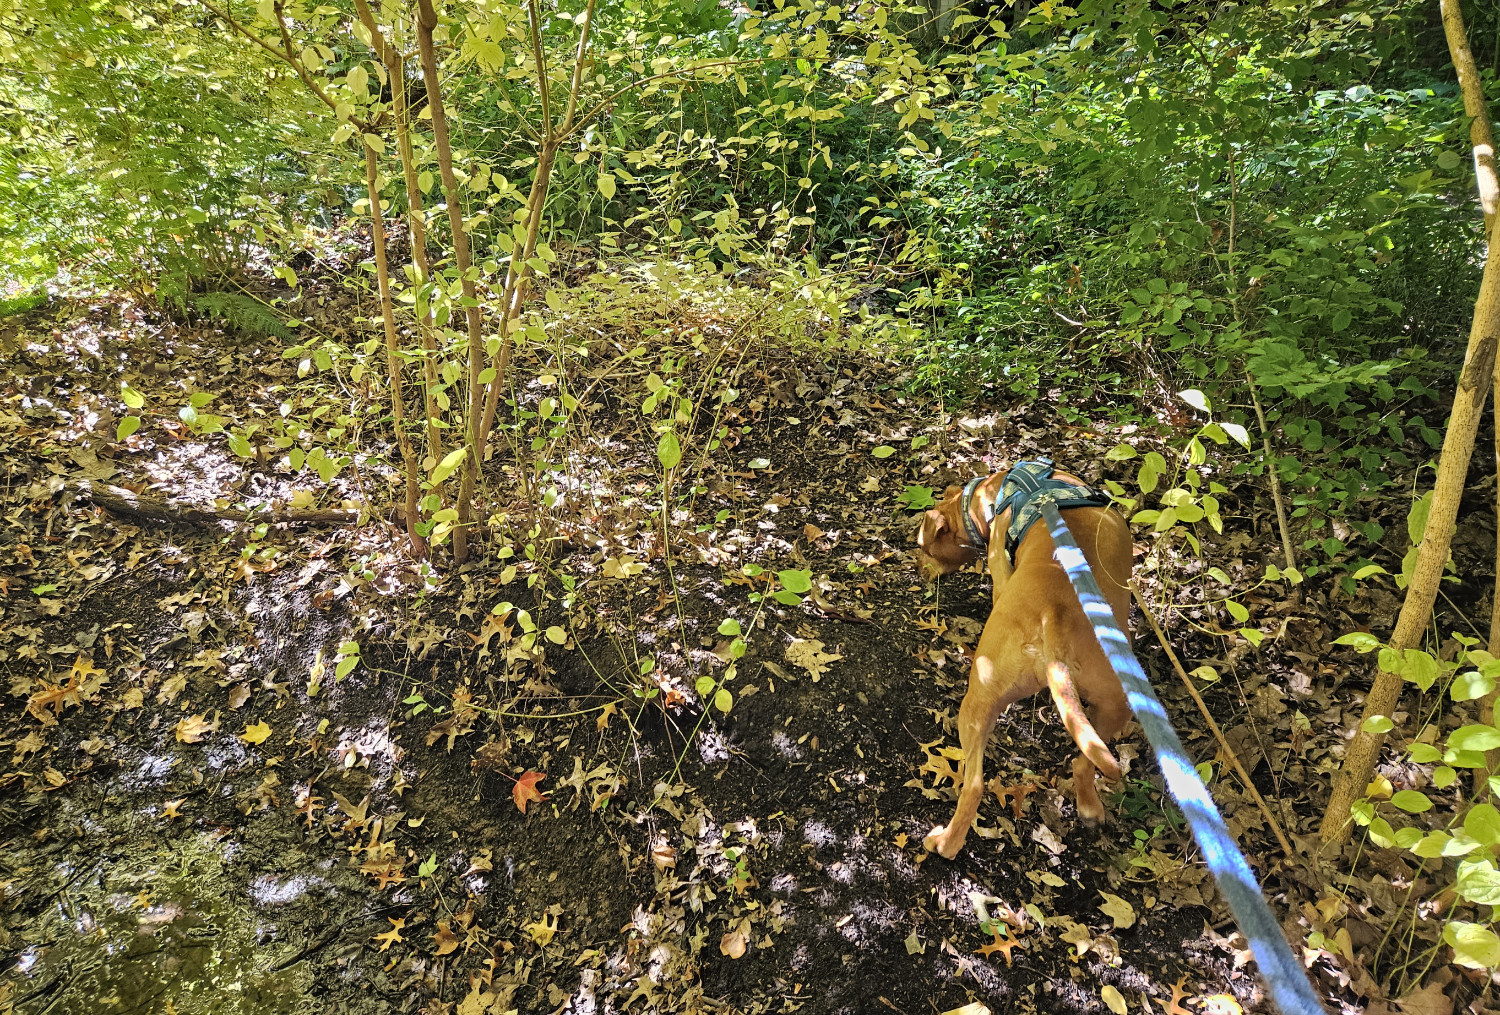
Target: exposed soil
<point x="366" y="854"/>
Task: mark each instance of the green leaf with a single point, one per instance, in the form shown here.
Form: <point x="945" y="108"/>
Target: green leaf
<point x="723" y="700"/>
<point x="1479" y="884"/>
<point x="1424" y="754"/>
<point x="345" y="667"/>
<point x="1119" y="453"/>
<point x="1368" y="570"/>
<point x="1474" y="945"/>
<point x="1237" y="611"/>
<point x="132" y="397"/>
<point x="556" y="635"/>
<point x="668" y="451"/>
<point x="786" y="598"/>
<point x="1474" y="738"/>
<point x="1240" y="434"/>
<point x="704" y="685"/>
<point x="795" y="581"/>
<point x="128" y="426"/>
<point x="1195" y="398"/>
<point x="1419" y="667"/>
<point x="884" y="451"/>
<point x="450" y="461"/>
<point x="1378" y="724"/>
<point x="428" y="866"/>
<point x="916" y="497"/>
<point x="1362" y="641"/>
<point x="729" y="626"/>
<point x="760" y="463"/>
<point x="1411" y="801"/>
<point x="1471" y="685"/>
<point x="607" y="185"/>
<point x="1483" y="823"/>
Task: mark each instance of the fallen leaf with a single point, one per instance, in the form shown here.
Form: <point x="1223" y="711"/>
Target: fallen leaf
<point x="1113" y="999"/>
<point x="972" y="1008"/>
<point x="255" y="733"/>
<point x="1178" y="996"/>
<point x="808" y="654"/>
<point x="1428" y="1000"/>
<point x="172" y="809"/>
<point x="733" y="944"/>
<point x="392" y="936"/>
<point x="1118" y="910"/>
<point x="525" y="790"/>
<point x="664" y="855"/>
<point x="811" y="532"/>
<point x="445" y="940"/>
<point x="542" y="931"/>
<point x="604" y="714"/>
<point x="193" y="728"/>
<point x="1221" y="1004"/>
<point x="1003" y="945"/>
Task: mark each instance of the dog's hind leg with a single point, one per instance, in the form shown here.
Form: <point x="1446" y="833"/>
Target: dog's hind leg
<point x="1108" y="718"/>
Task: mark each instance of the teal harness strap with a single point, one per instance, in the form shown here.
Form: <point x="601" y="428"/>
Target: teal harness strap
<point x="1019" y="493"/>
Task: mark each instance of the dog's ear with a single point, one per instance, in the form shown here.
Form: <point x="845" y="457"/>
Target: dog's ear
<point x="952" y="491"/>
<point x="937" y="521"/>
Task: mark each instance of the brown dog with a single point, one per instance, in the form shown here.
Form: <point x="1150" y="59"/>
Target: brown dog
<point x="1037" y="636"/>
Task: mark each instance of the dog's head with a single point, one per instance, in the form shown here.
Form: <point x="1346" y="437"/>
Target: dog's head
<point x="941" y="545"/>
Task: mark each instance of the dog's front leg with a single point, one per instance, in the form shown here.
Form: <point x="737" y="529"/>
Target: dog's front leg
<point x="995" y="682"/>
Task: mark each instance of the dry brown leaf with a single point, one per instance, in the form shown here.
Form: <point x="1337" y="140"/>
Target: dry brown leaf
<point x="1118" y="910"/>
<point x="193" y="728"/>
<point x="733" y="944"/>
<point x="808" y="654"/>
<point x="392" y="936"/>
<point x="444" y="940"/>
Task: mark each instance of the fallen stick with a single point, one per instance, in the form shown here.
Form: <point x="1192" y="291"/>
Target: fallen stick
<point x="1229" y="753"/>
<point x="127" y="502"/>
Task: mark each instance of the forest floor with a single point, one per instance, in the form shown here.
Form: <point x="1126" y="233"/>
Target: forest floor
<point x="185" y="828"/>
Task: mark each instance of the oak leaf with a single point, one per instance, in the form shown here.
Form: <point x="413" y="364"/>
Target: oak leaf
<point x="1002" y="945"/>
<point x="525" y="790"/>
<point x="392" y="936"/>
<point x="445" y="940"/>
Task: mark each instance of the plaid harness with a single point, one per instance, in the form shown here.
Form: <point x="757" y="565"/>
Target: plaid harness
<point x="1026" y="486"/>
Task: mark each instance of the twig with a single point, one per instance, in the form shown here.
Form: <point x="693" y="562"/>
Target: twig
<point x="1213" y="726"/>
<point x="1265" y="442"/>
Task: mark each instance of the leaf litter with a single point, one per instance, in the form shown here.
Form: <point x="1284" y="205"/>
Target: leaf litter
<point x="787" y="829"/>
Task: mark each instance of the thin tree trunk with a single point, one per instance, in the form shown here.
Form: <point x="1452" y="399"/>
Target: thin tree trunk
<point x="1458" y="447"/>
<point x="395" y="67"/>
<point x="1482" y="137"/>
<point x="392" y="356"/>
<point x="518" y="275"/>
<point x="1432" y="552"/>
<point x="426" y="22"/>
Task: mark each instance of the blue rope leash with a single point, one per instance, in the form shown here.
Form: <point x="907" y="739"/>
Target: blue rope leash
<point x="1291" y="991"/>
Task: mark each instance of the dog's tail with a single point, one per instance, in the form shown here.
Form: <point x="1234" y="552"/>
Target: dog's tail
<point x="1070" y="708"/>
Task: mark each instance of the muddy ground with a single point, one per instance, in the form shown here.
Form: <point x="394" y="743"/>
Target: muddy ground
<point x="185" y="828"/>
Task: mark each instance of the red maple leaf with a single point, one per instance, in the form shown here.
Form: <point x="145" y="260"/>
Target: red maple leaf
<point x="525" y="790"/>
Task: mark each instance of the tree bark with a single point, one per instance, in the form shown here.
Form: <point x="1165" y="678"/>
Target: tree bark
<point x="1482" y="137"/>
<point x="395" y="67"/>
<point x="426" y="22"/>
<point x="392" y="353"/>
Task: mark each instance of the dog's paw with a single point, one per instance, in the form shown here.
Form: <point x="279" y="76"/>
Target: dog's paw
<point x="1093" y="812"/>
<point x="939" y="841"/>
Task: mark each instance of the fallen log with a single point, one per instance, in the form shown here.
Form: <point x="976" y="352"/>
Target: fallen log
<point x="135" y="505"/>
